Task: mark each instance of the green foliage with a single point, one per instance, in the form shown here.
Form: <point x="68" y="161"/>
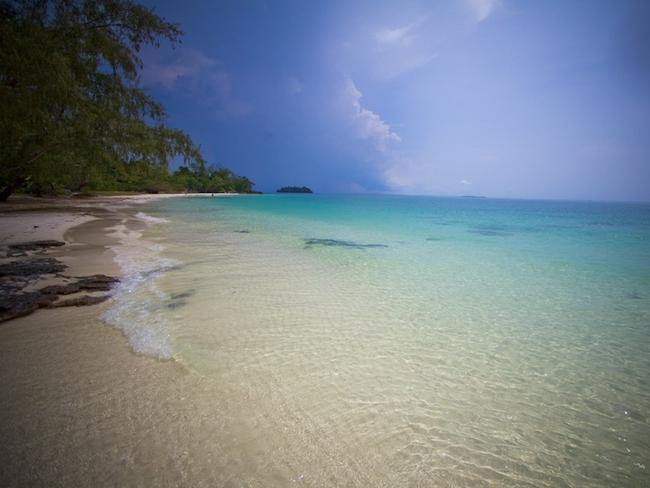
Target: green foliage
<point x="211" y="180"/>
<point x="72" y="115"/>
<point x="294" y="189"/>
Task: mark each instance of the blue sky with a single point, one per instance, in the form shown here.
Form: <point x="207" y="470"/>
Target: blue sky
<point x="504" y="98"/>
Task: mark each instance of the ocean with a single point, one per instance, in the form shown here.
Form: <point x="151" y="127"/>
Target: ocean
<point x="373" y="340"/>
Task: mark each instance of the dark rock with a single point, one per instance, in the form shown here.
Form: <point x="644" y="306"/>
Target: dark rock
<point x="32" y="267"/>
<point x="35" y="245"/>
<point x="17" y="274"/>
<point x="339" y="243"/>
<point x="98" y="282"/>
<point x="21" y="304"/>
<point x="79" y="301"/>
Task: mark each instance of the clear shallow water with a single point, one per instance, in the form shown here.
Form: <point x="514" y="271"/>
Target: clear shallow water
<point x="407" y="341"/>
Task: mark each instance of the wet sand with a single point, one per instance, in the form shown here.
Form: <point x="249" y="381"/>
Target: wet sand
<point x="78" y="407"/>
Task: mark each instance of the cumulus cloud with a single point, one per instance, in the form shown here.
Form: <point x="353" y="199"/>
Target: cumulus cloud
<point x="367" y="124"/>
<point x="403" y="173"/>
<point x="197" y="75"/>
<point x="482" y="9"/>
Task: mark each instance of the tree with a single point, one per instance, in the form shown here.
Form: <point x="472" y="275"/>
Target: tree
<point x="70" y="104"/>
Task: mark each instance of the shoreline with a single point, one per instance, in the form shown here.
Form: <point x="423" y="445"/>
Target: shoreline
<point x="86" y="234"/>
<point x="68" y="375"/>
<point x="297" y="363"/>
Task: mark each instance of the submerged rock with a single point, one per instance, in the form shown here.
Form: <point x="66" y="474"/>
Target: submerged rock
<point x="339" y="243"/>
<point x="178" y="300"/>
<point x="185" y="294"/>
<point x="490" y="230"/>
<point x="174" y="304"/>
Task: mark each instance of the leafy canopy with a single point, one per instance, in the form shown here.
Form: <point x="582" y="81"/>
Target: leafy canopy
<point x="71" y="109"/>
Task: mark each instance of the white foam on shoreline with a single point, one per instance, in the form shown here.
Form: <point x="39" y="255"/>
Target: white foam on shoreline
<point x="138" y="303"/>
<point x="150" y="219"/>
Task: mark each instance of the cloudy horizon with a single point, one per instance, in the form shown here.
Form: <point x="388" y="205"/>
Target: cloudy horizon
<point x="501" y="98"/>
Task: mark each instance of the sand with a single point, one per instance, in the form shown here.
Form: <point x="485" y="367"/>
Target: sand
<point x="78" y="407"/>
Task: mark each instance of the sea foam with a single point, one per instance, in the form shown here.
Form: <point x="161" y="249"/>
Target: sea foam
<point x="151" y="219"/>
<point x="136" y="308"/>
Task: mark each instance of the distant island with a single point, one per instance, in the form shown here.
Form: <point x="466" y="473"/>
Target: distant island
<point x="294" y="189"/>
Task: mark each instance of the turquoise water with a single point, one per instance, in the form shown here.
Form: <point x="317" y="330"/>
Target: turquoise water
<point x="410" y="341"/>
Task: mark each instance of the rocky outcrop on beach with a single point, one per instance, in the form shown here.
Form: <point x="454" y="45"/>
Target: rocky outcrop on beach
<point x="22" y="248"/>
<point x="30" y="268"/>
<point x="21" y="282"/>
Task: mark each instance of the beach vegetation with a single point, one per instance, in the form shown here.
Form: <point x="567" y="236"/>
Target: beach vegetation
<point x="73" y="116"/>
<point x="294" y="189"/>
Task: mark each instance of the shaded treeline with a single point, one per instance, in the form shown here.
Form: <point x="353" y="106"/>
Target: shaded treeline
<point x="72" y="114"/>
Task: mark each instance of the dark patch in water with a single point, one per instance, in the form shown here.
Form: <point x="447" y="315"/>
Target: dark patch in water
<point x="185" y="294"/>
<point x="177" y="300"/>
<point x="176" y="304"/>
<point x="434" y="239"/>
<point x="490" y="230"/>
<point x="161" y="269"/>
<point x="339" y="243"/>
<point x="243" y="231"/>
<point x="600" y="223"/>
<point x="633" y="296"/>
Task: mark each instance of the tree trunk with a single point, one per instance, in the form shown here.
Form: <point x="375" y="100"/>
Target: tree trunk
<point x="6" y="191"/>
<point x="10" y="188"/>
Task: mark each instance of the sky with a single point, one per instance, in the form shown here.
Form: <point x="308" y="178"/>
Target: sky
<point x="502" y="98"/>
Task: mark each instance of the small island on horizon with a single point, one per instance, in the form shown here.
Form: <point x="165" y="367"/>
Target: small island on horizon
<point x="294" y="189"/>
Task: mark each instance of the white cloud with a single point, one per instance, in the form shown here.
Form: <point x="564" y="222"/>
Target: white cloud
<point x="367" y="124"/>
<point x="398" y="50"/>
<point x="198" y="75"/>
<point x="482" y="9"/>
<point x="409" y="173"/>
<point x="398" y="174"/>
<point x="399" y="35"/>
